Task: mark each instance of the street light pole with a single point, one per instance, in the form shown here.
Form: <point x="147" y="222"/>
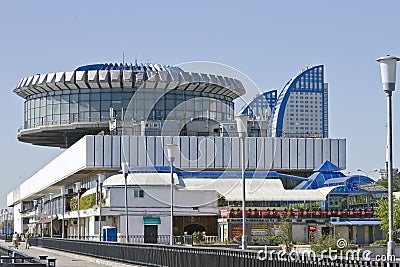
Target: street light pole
<point x="100" y="179"/>
<point x="51" y="215"/>
<point x="388" y="75"/>
<point x="171" y="154"/>
<point x="241" y="121"/>
<point x="62" y="192"/>
<point x="125" y="171"/>
<point x="78" y="186"/>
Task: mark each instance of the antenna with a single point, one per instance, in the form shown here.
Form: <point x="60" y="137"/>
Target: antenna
<point x="123" y="58"/>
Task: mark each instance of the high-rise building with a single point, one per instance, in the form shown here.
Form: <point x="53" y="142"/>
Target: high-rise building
<point x="301" y="109"/>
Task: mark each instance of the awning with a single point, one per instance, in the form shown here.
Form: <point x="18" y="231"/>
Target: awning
<point x="354" y="223"/>
<point x="46" y="220"/>
<point x="257" y="190"/>
<point x="151" y="220"/>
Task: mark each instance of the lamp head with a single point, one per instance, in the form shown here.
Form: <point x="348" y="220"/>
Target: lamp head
<point x="172" y="151"/>
<point x="241" y="124"/>
<point x="78" y="186"/>
<point x="388" y="72"/>
<point x="125" y="168"/>
<point x="101" y="177"/>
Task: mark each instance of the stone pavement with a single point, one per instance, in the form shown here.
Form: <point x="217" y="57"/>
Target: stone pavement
<point x="65" y="259"/>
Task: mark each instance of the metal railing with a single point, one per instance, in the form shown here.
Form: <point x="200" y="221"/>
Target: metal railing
<point x="13" y="257"/>
<point x="165" y="255"/>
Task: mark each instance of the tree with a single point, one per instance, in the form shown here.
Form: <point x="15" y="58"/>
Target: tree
<point x="384" y="182"/>
<point x="284" y="236"/>
<point x="383" y="214"/>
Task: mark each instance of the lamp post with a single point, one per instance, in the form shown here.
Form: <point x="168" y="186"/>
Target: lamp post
<point x="42" y="208"/>
<point x="241" y="122"/>
<point x="388" y="75"/>
<point x="78" y="188"/>
<point x="51" y="214"/>
<point x="366" y="173"/>
<point x="171" y="155"/>
<point x="125" y="171"/>
<point x="62" y="193"/>
<point x="100" y="180"/>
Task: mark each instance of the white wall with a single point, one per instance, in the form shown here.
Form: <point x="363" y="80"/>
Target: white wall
<point x="18" y="227"/>
<point x="159" y="197"/>
<point x="101" y="152"/>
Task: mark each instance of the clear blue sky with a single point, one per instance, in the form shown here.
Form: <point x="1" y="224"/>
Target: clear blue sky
<point x="270" y="41"/>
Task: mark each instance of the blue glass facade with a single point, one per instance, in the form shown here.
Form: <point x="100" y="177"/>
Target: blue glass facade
<point x="301" y="109"/>
<point x="261" y="106"/>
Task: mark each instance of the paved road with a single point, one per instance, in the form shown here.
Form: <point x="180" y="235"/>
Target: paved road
<point x="64" y="259"/>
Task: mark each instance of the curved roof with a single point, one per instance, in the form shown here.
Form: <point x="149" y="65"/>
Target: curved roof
<point x="326" y="172"/>
<point x="261" y="106"/>
<point x="276" y="125"/>
<point x="148" y="75"/>
<point x="126" y="66"/>
<point x="351" y="184"/>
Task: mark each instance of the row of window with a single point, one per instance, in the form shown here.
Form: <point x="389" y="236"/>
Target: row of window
<point x="153" y="104"/>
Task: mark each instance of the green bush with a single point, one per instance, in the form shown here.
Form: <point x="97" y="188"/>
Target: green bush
<point x="198" y="237"/>
<point x="379" y="242"/>
<point x="87" y="202"/>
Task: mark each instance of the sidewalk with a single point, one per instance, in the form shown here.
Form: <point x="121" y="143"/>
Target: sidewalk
<point x="65" y="259"/>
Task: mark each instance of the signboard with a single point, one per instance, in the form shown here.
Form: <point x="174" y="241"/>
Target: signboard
<point x="236" y="232"/>
<point x="259" y="234"/>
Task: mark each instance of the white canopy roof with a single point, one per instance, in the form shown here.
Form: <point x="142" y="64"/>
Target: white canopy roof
<point x="231" y="189"/>
<point x="141" y="179"/>
<point x="256" y="190"/>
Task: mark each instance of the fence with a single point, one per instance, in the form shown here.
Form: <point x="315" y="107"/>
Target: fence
<point x="164" y="255"/>
<point x="12" y="257"/>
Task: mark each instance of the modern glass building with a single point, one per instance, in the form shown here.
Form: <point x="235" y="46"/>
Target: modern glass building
<point x="302" y="106"/>
<point x="260" y="108"/>
<point x="60" y="108"/>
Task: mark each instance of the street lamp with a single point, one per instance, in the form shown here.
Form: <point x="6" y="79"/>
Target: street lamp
<point x="125" y="171"/>
<point x="367" y="173"/>
<point x="171" y="155"/>
<point x="51" y="214"/>
<point x="78" y="188"/>
<point x="62" y="192"/>
<point x="388" y="74"/>
<point x="241" y="122"/>
<point x="100" y="180"/>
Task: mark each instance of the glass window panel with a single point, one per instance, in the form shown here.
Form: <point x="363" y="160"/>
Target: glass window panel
<point x="56" y="99"/>
<point x="116" y="96"/>
<point x="106" y="96"/>
<point x="105" y="105"/>
<point x="117" y="105"/>
<point x="83" y="97"/>
<point x="42" y="111"/>
<point x="64" y="108"/>
<point x="43" y="102"/>
<point x="95" y="96"/>
<point x="73" y="98"/>
<point x="73" y="108"/>
<point x="84" y="116"/>
<point x="94" y="116"/>
<point x="83" y="106"/>
<point x="105" y="115"/>
<point x="64" y="99"/>
<point x="56" y="119"/>
<point x="56" y="109"/>
<point x="64" y="118"/>
<point x="95" y="106"/>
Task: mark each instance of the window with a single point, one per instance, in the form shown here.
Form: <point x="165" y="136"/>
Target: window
<point x="138" y="193"/>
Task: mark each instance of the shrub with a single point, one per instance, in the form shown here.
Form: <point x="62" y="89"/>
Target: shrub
<point x="198" y="237"/>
